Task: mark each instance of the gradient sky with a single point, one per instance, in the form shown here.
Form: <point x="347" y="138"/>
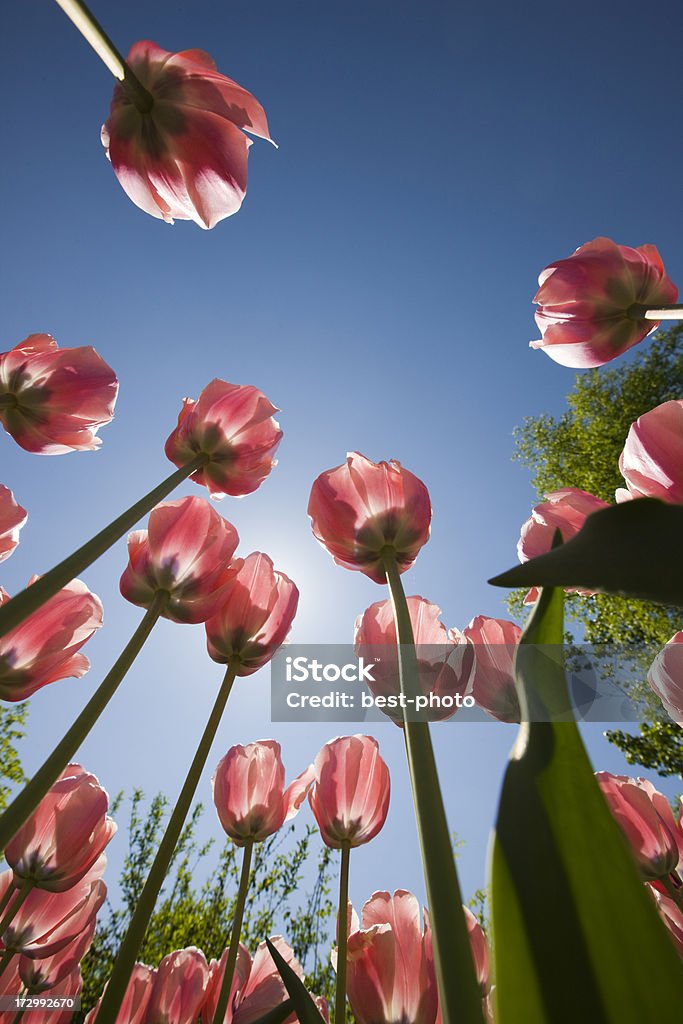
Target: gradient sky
<point x="376" y="285"/>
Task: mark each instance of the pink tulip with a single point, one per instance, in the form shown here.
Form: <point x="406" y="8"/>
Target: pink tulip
<point x="46" y="973"/>
<point x="645" y="818"/>
<point x="652" y="459"/>
<point x="12" y="518"/>
<point x="390" y="968"/>
<point x="186" y="552"/>
<point x="133" y="1009"/>
<point x="565" y="510"/>
<point x="350" y="794"/>
<point x="480" y="951"/>
<point x="180" y="986"/>
<point x="254" y="616"/>
<point x="584" y="301"/>
<point x="233" y="425"/>
<point x="256" y="986"/>
<point x="185" y="156"/>
<point x="55" y="400"/>
<point x="672" y="917"/>
<point x="69" y="987"/>
<point x="65" y="835"/>
<point x="666" y="677"/>
<point x="249" y="791"/>
<point x="495" y="642"/>
<point x="45" y="646"/>
<point x="361" y="508"/>
<point x="445" y="659"/>
<point x="47" y="922"/>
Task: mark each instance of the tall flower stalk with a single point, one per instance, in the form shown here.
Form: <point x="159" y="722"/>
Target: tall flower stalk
<point x="130" y="946"/>
<point x="459" y="992"/>
<point x="235" y="933"/>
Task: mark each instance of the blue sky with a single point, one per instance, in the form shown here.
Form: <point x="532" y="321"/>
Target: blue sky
<point x="376" y="285"/>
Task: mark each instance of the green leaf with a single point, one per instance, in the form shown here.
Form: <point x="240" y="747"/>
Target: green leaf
<point x="633" y="549"/>
<point x="306" y="1010"/>
<point x="277" y="1015"/>
<point x="576" y="935"/>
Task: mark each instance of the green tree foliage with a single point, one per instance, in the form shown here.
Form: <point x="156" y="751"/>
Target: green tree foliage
<point x="190" y="913"/>
<point x="581" y="448"/>
<point x="12" y="723"/>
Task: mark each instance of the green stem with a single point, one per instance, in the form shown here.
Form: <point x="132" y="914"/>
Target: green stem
<point x="5" y="960"/>
<point x="10" y="914"/>
<point x="673" y="311"/>
<point x="342" y="936"/>
<point x="26" y="802"/>
<point x="93" y="32"/>
<point x="459" y="992"/>
<point x="29" y="600"/>
<point x="130" y="946"/>
<point x="233" y="948"/>
<point x="9" y="893"/>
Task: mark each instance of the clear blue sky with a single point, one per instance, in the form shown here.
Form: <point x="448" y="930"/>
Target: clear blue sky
<point x="377" y="286"/>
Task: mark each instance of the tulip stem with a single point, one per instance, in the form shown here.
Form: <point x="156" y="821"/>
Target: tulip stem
<point x="92" y="32"/>
<point x="342" y="936"/>
<point x="9" y="893"/>
<point x="26" y="802"/>
<point x="22" y="894"/>
<point x="459" y="993"/>
<point x="5" y="960"/>
<point x="233" y="948"/>
<point x="29" y="600"/>
<point x="673" y="311"/>
<point x="133" y="939"/>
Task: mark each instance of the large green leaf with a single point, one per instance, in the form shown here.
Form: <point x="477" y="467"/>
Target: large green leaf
<point x="306" y="1010"/>
<point x="635" y="549"/>
<point x="576" y="935"/>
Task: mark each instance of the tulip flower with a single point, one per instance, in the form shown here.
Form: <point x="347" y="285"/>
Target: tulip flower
<point x="186" y="553"/>
<point x="364" y="511"/>
<point x="232" y="427"/>
<point x="45" y="647"/>
<point x="179" y="988"/>
<point x="646" y="820"/>
<point x="47" y="922"/>
<point x="565" y="510"/>
<point x="12" y="518"/>
<point x="652" y="459"/>
<point x="445" y="658"/>
<point x="45" y="974"/>
<point x="136" y="999"/>
<point x="350" y="801"/>
<point x="493" y="686"/>
<point x="69" y="988"/>
<point x="666" y="677"/>
<point x="350" y="794"/>
<point x="55" y="400"/>
<point x="249" y="792"/>
<point x="255" y="615"/>
<point x="256" y="985"/>
<point x="182" y="154"/>
<point x="65" y="836"/>
<point x="390" y="966"/>
<point x="600" y="301"/>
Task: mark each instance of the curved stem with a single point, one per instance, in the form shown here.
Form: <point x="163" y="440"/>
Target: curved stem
<point x="22" y="894"/>
<point x="5" y="960"/>
<point x="9" y="893"/>
<point x="29" y="600"/>
<point x="26" y="802"/>
<point x="460" y="996"/>
<point x="92" y="31"/>
<point x="132" y="941"/>
<point x="233" y="948"/>
<point x="342" y="936"/>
